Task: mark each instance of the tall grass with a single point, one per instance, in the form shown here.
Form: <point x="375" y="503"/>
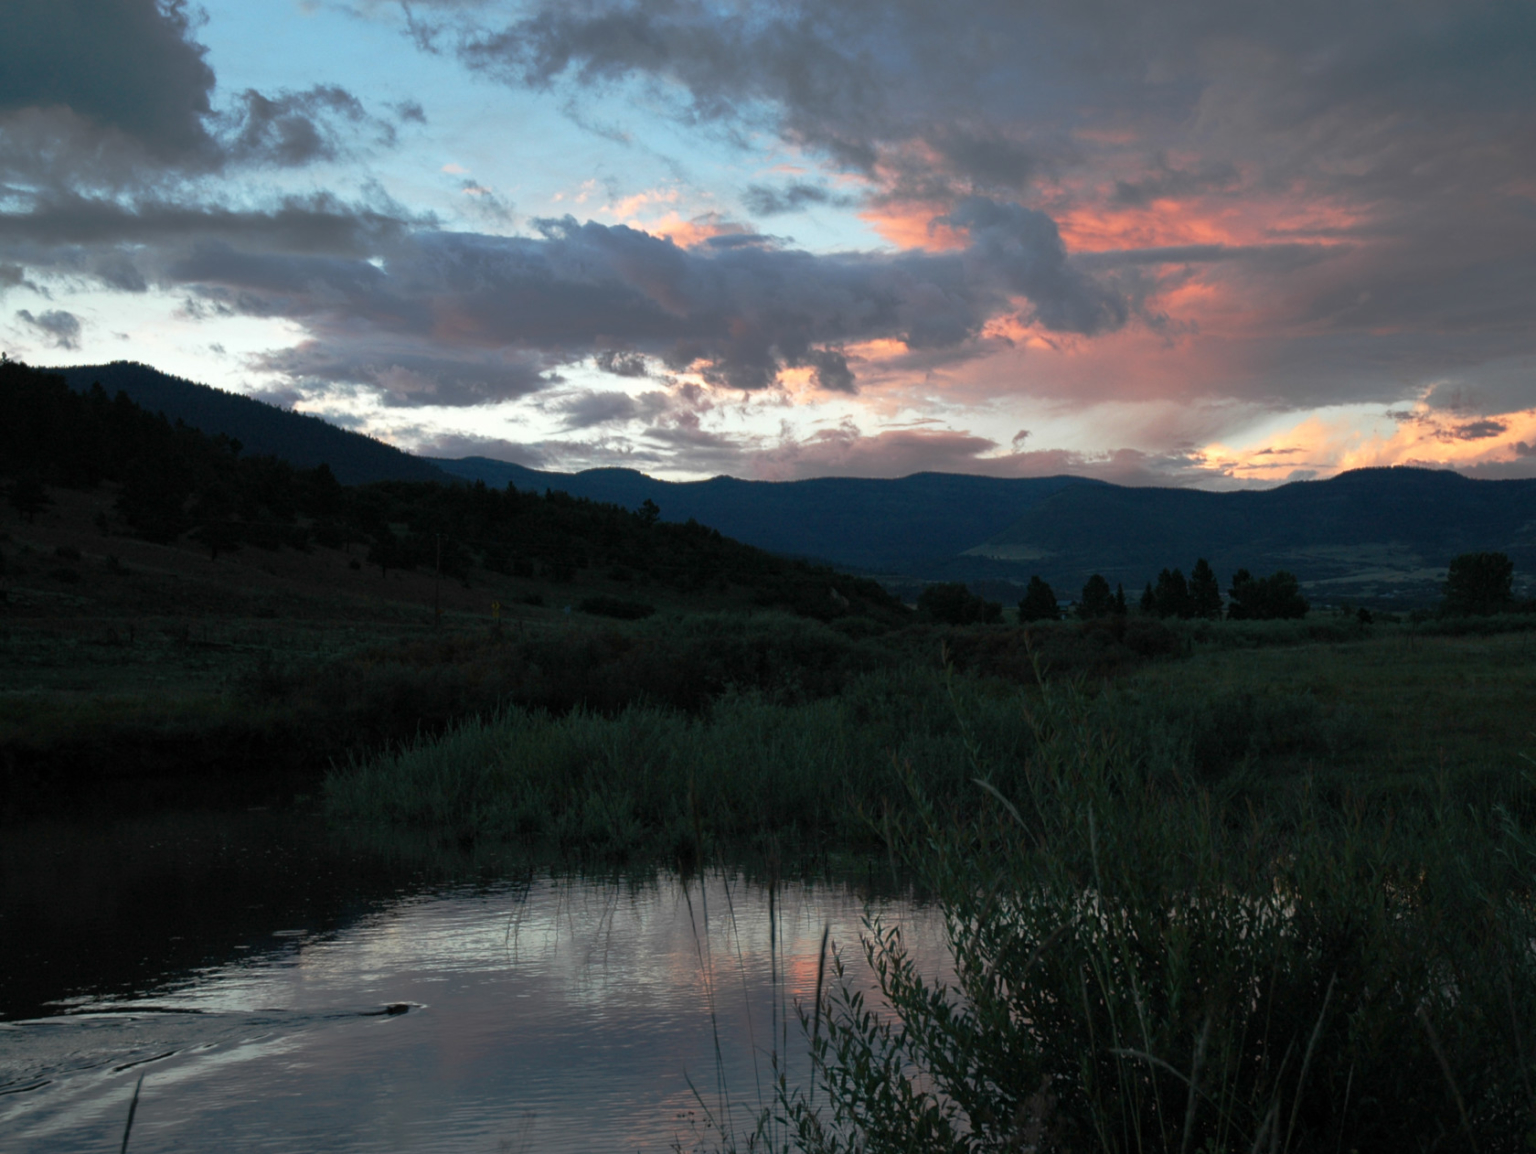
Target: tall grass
<point x="1140" y="967"/>
<point x="651" y="779"/>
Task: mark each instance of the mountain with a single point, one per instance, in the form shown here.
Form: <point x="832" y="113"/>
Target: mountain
<point x="263" y="430"/>
<point x="1368" y="534"/>
<point x="1371" y="535"/>
<point x="883" y="526"/>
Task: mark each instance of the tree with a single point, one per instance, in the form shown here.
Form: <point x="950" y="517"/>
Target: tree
<point x="649" y="512"/>
<point x="1204" y="591"/>
<point x="1096" y="600"/>
<point x="953" y="604"/>
<point x="1039" y="602"/>
<point x="1119" y="599"/>
<point x="1148" y="600"/>
<point x="1171" y="598"/>
<point x="1275" y="597"/>
<point x="1479" y="583"/>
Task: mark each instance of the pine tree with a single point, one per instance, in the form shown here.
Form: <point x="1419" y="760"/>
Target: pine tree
<point x="1039" y="602"/>
<point x="1096" y="600"/>
<point x="1204" y="591"/>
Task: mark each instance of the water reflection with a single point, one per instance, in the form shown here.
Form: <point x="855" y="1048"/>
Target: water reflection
<point x="546" y="1014"/>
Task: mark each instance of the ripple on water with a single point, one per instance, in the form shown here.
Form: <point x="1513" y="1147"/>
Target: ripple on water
<point x="561" y="1015"/>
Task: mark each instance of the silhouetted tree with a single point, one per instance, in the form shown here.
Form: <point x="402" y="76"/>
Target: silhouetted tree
<point x="1148" y="603"/>
<point x="1039" y="602"/>
<point x="1204" y="591"/>
<point x="952" y="603"/>
<point x="1171" y="598"/>
<point x="1119" y="599"/>
<point x="1480" y="583"/>
<point x="1096" y="600"/>
<point x="1265" y="598"/>
<point x="649" y="512"/>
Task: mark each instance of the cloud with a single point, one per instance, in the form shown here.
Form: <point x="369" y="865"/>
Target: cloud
<point x="590" y="408"/>
<point x="763" y="200"/>
<point x="62" y="329"/>
<point x="1164" y="181"/>
<point x="407" y="373"/>
<point x="123" y="66"/>
<point x="464" y="318"/>
<point x="622" y="364"/>
<point x="1476" y="430"/>
<point x="118" y="93"/>
<point x="297" y="128"/>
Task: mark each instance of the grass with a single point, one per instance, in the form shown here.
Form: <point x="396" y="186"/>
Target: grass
<point x="1140" y="965"/>
<point x="652" y="780"/>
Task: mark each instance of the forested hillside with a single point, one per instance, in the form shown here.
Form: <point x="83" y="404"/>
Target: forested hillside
<point x="264" y="430"/>
<point x="177" y="484"/>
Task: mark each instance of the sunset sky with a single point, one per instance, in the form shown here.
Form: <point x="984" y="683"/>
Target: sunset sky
<point x="1197" y="243"/>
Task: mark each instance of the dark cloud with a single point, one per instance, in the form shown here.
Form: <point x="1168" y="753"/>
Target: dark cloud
<point x="1476" y="430"/>
<point x="1524" y="450"/>
<point x="592" y="408"/>
<point x="1023" y="248"/>
<point x="831" y="370"/>
<point x="124" y="65"/>
<point x="622" y="364"/>
<point x="297" y="128"/>
<point x="738" y="314"/>
<point x="763" y="200"/>
<point x="118" y="93"/>
<point x="1163" y="181"/>
<point x="60" y="328"/>
<point x="407" y="374"/>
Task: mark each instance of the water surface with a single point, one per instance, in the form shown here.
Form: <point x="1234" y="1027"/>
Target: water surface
<point x="538" y="1013"/>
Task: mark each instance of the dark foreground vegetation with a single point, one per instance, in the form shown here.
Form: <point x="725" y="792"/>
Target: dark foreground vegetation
<point x="1213" y="881"/>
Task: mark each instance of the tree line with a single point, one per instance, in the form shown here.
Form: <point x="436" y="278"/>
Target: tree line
<point x="1476" y="583"/>
<point x="176" y="484"/>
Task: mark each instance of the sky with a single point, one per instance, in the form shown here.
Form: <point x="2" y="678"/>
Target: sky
<point x="1194" y="243"/>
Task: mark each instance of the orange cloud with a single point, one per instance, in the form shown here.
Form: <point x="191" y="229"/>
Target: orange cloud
<point x="1327" y="445"/>
<point x="910" y="226"/>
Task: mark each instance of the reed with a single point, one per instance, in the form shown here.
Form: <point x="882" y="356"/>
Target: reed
<point x="1140" y="967"/>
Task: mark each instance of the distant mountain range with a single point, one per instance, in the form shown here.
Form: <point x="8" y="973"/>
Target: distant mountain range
<point x="1371" y="535"/>
<point x="895" y="527"/>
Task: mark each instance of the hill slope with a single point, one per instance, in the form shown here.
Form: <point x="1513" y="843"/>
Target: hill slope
<point x="892" y="526"/>
<point x="1366" y="533"/>
<point x="263" y="430"/>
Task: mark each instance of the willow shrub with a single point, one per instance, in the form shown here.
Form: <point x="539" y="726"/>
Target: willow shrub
<point x="1139" y="969"/>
